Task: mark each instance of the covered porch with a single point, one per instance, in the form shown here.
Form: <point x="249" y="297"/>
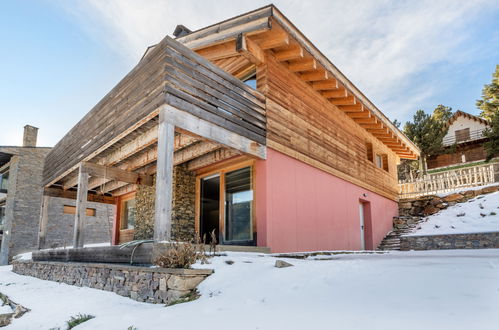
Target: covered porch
<point x="177" y="133"/>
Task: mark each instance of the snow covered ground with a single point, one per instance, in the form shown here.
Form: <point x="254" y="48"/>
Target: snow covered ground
<point x="456" y="289"/>
<point x="480" y="214"/>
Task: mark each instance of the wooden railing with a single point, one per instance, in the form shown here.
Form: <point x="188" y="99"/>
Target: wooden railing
<point x="464" y="137"/>
<point x="448" y="181"/>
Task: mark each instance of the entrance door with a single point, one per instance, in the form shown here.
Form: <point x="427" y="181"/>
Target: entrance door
<point x="210" y="207"/>
<point x="362" y="234"/>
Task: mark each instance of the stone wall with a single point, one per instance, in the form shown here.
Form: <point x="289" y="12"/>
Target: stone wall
<point x="428" y="205"/>
<point x="22" y="209"/>
<point x="60" y="226"/>
<point x="152" y="285"/>
<point x="183" y="208"/>
<point x="450" y="241"/>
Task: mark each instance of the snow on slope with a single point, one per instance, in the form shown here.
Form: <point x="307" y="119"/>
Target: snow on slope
<point x="401" y="290"/>
<point x="480" y="214"/>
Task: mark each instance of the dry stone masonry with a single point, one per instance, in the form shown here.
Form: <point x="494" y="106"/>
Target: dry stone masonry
<point x="450" y="241"/>
<point x="183" y="211"/>
<point x="145" y="284"/>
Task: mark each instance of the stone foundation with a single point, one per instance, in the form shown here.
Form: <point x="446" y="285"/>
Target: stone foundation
<point x="152" y="285"/>
<point x="450" y="241"/>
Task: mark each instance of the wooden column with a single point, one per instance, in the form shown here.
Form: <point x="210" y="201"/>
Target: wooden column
<point x="44" y="214"/>
<point x="164" y="180"/>
<point x="81" y="207"/>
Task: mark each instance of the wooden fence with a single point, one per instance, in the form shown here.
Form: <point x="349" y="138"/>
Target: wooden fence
<point x="448" y="181"/>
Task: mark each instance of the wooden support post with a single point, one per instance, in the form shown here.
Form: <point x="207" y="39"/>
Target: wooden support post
<point x="81" y="207"/>
<point x="44" y="214"/>
<point x="164" y="180"/>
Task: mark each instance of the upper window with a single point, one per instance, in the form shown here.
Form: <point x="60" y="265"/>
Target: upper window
<point x="4" y="181"/>
<point x="369" y="151"/>
<point x="462" y="135"/>
<point x="379" y="161"/>
<point x="250" y="79"/>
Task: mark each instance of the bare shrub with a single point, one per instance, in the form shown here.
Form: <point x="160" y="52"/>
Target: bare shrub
<point x="177" y="255"/>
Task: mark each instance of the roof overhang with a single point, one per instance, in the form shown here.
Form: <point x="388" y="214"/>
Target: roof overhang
<point x="268" y="29"/>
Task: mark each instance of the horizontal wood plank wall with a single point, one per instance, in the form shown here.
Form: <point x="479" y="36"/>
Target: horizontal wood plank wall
<point x="170" y="74"/>
<point x="201" y="88"/>
<point x="137" y="95"/>
<point x="472" y="152"/>
<point x="304" y="125"/>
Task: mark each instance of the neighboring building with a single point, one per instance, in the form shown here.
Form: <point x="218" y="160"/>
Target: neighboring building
<point x="21" y="191"/>
<point x="463" y="142"/>
<point x="280" y="150"/>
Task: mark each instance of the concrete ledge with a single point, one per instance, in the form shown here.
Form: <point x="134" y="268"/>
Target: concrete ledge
<point x="485" y="240"/>
<point x="147" y="284"/>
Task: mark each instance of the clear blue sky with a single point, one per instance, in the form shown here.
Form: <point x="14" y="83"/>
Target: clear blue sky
<point x="59" y="58"/>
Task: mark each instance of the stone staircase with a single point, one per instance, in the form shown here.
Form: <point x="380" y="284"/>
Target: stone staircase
<point x="401" y="225"/>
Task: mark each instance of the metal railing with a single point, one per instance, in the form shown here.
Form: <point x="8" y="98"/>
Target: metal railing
<point x="448" y="181"/>
<point x="464" y="137"/>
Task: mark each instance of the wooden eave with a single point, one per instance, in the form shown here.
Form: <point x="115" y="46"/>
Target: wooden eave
<point x="269" y="30"/>
<point x="460" y="113"/>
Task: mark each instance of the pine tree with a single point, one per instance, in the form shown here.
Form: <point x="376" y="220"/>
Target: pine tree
<point x="427" y="132"/>
<point x="442" y="113"/>
<point x="492" y="144"/>
<point x="489" y="104"/>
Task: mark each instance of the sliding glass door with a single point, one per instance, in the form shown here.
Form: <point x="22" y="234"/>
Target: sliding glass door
<point x="226" y="206"/>
<point x="238" y="206"/>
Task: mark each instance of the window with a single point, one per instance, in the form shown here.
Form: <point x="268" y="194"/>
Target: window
<point x="128" y="214"/>
<point x="369" y="151"/>
<point x="226" y="198"/>
<point x="250" y="79"/>
<point x="379" y="161"/>
<point x="4" y="182"/>
<point x="2" y="216"/>
<point x="385" y="162"/>
<point x="69" y="209"/>
<point x="462" y="135"/>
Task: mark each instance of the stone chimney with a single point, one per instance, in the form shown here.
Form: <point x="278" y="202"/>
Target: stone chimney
<point x="30" y="135"/>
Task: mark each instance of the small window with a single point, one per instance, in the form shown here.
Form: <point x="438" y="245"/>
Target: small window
<point x="250" y="79"/>
<point x="369" y="151"/>
<point x="462" y="135"/>
<point x="385" y="162"/>
<point x="379" y="161"/>
<point x="69" y="209"/>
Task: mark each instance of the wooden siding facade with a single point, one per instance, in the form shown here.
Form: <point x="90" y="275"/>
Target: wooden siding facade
<point x="304" y="125"/>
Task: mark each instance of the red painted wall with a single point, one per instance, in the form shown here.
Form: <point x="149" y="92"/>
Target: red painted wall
<point x="301" y="208"/>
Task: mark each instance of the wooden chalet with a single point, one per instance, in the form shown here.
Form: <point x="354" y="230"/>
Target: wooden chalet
<point x="463" y="142"/>
<point x="276" y="147"/>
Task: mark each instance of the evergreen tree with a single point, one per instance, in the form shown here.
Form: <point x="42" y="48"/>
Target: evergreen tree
<point x="397" y="123"/>
<point x="492" y="145"/>
<point x="427" y="132"/>
<point x="489" y="104"/>
<point x="442" y="113"/>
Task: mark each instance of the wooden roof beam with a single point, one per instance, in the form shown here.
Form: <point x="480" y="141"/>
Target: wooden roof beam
<point x="316" y="75"/>
<point x="293" y="53"/>
<point x="275" y="38"/>
<point x="306" y="64"/>
<point x="348" y="100"/>
<point x="330" y="84"/>
<point x="360" y="114"/>
<point x="333" y="94"/>
<point x="249" y="49"/>
<point x="220" y="51"/>
<point x="352" y="108"/>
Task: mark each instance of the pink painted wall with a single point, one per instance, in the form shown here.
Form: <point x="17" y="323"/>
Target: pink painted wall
<point x="301" y="208"/>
